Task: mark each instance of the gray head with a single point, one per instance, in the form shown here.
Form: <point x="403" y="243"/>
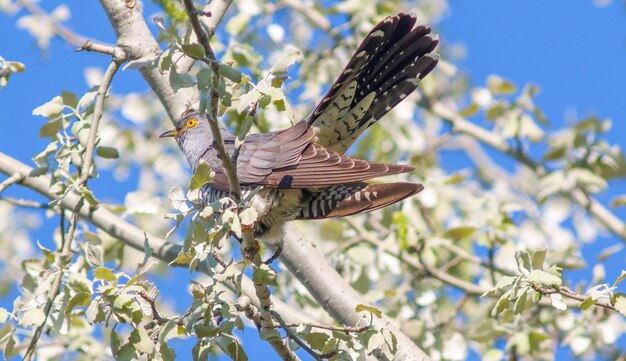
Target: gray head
<point x="193" y="135"/>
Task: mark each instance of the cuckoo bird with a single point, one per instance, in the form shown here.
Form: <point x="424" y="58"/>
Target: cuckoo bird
<point x="302" y="170"/>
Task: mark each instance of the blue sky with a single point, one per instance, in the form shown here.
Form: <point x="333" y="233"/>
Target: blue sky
<point x="575" y="51"/>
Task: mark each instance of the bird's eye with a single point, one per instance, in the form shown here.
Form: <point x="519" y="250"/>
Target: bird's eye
<point x="191" y="122"/>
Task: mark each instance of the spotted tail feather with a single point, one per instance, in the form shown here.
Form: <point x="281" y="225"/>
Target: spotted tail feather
<point x="385" y="69"/>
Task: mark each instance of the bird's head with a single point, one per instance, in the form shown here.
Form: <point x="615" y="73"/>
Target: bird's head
<point x="193" y="135"/>
<point x="190" y="124"/>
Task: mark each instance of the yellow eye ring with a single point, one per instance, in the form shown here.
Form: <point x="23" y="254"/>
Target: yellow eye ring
<point x="191" y="122"/>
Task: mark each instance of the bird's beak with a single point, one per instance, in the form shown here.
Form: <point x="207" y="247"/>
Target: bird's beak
<point x="169" y="133"/>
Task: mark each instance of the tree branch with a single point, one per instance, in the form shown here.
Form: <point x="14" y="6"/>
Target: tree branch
<point x="134" y="36"/>
<point x="137" y="41"/>
<point x="129" y="234"/>
<point x="14" y="178"/>
<point x="66" y="248"/>
<point x="262" y="291"/>
<point x="334" y="293"/>
<point x="462" y="125"/>
<point x="203" y="39"/>
<point x="70" y="37"/>
<point x="569" y="293"/>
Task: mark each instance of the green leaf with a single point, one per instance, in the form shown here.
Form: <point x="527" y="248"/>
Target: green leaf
<point x="50" y="109"/>
<point x="523" y="261"/>
<point x="232" y="348"/>
<point x="495" y="111"/>
<point x="316" y="340"/>
<point x="520" y="302"/>
<point x="33" y="316"/>
<point x="544" y="278"/>
<point x="46" y="252"/>
<point x="94" y="255"/>
<point x="593" y="182"/>
<point x="194" y="50"/>
<point x="94" y="312"/>
<point x="50" y="129"/>
<point x="9" y="347"/>
<point x="269" y="334"/>
<point x="503" y="303"/>
<point x="471" y="110"/>
<point x="238" y="23"/>
<point x="88" y="196"/>
<point x="79" y="299"/>
<point x="229" y="73"/>
<point x="498" y="85"/>
<point x="588" y="302"/>
<point x="538" y="259"/>
<point x="370" y="309"/>
<point x="619" y="302"/>
<point x="557" y="301"/>
<point x="460" y="233"/>
<point x="248" y="216"/>
<point x="505" y="282"/>
<point x="142" y="342"/>
<point x="264" y="275"/>
<point x="620" y="278"/>
<point x="69" y="99"/>
<point x="205" y="79"/>
<point x="167" y="352"/>
<point x="107" y="152"/>
<point x="289" y="56"/>
<point x="182" y="259"/>
<point x="179" y="81"/>
<point x="493" y="355"/>
<point x="4" y="315"/>
<point x="205" y="330"/>
<point x="105" y="274"/>
<point x="201" y="176"/>
<point x="618" y="201"/>
<point x="555" y="152"/>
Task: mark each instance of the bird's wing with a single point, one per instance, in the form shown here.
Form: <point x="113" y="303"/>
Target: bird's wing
<point x="288" y="159"/>
<point x="385" y="68"/>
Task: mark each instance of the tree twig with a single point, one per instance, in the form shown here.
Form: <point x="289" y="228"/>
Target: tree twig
<point x="571" y="294"/>
<point x="27" y="203"/>
<point x="203" y="39"/>
<point x="295" y="337"/>
<point x="66" y="248"/>
<point x="80" y="42"/>
<point x="14" y="178"/>
<point x="131" y="235"/>
<point x="462" y="125"/>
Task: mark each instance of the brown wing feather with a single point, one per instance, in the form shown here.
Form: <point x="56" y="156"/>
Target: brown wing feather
<point x="326" y="168"/>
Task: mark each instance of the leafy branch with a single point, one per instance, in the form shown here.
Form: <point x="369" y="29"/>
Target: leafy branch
<point x="65" y="255"/>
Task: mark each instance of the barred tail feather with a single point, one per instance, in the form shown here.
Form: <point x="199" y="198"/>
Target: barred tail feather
<point x="385" y="69"/>
<point x="349" y="199"/>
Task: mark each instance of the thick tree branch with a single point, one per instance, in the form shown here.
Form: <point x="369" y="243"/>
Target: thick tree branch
<point x="136" y="39"/>
<point x="333" y="292"/>
<point x="129" y="234"/>
<point x="138" y="43"/>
